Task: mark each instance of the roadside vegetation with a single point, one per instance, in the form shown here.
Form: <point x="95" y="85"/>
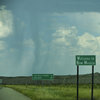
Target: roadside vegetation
<point x="58" y="92"/>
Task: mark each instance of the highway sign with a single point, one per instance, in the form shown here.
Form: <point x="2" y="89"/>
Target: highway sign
<point x="85" y="60"/>
<point x="42" y="76"/>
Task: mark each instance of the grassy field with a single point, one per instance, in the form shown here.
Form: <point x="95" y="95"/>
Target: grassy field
<point x="67" y="92"/>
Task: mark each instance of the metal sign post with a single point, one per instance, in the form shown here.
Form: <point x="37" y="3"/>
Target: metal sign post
<point x="92" y="82"/>
<point x="77" y="80"/>
<point x="85" y="60"/>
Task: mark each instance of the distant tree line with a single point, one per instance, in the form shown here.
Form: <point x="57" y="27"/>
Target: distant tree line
<point x="58" y="79"/>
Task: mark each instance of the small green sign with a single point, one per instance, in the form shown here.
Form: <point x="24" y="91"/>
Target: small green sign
<point x="85" y="60"/>
<point x="42" y="76"/>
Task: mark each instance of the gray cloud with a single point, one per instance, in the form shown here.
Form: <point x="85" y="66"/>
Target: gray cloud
<point x="56" y="5"/>
<point x="31" y="11"/>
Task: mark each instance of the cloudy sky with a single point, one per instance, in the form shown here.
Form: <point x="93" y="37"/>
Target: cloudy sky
<point x="43" y="36"/>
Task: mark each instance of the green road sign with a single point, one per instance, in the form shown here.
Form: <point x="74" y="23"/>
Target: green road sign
<point x="42" y="76"/>
<point x="85" y="60"/>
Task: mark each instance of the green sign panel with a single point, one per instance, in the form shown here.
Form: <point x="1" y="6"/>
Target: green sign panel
<point x="85" y="60"/>
<point x="42" y="76"/>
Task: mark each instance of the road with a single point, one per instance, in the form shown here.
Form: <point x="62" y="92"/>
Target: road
<point x="10" y="94"/>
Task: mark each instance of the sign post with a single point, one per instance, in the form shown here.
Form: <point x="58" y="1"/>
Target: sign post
<point x="92" y="82"/>
<point x="85" y="60"/>
<point x="77" y="80"/>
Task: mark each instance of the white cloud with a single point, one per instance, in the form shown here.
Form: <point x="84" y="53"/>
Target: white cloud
<point x="6" y="25"/>
<point x="6" y="22"/>
<point x="64" y="35"/>
<point x="29" y="43"/>
<point x="69" y="40"/>
<point x="89" y="44"/>
<point x="61" y="40"/>
<point x="84" y="39"/>
<point x="88" y="41"/>
<point x="88" y="21"/>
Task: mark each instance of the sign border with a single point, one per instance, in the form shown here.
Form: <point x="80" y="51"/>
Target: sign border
<point x="43" y="74"/>
<point x="85" y="64"/>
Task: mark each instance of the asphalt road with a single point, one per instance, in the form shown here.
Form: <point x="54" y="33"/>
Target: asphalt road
<point x="10" y="94"/>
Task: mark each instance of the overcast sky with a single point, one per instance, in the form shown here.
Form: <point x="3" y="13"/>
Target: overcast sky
<point x="43" y="36"/>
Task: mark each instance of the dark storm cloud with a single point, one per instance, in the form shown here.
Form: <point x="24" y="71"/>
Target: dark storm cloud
<point x="31" y="11"/>
<point x="68" y="5"/>
<point x="56" y="5"/>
